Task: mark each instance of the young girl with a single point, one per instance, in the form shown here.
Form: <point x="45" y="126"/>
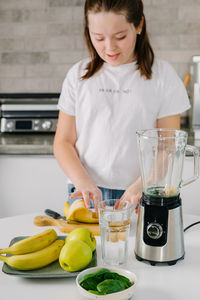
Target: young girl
<point x="121" y="88"/>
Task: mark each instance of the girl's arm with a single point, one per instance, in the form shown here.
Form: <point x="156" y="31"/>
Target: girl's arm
<point x="172" y="122"/>
<point x="68" y="159"/>
<point x="134" y="192"/>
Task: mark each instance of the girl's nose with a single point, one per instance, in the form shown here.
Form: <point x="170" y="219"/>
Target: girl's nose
<point x="110" y="44"/>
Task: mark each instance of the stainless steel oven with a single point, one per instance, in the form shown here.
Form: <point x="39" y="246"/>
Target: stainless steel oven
<point x="29" y="112"/>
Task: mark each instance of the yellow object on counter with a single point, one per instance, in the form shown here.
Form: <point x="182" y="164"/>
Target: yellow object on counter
<point x="66" y="208"/>
<point x="32" y="243"/>
<point x="37" y="259"/>
<point x="77" y="211"/>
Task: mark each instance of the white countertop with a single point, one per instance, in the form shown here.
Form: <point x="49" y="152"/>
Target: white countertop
<point x="181" y="281"/>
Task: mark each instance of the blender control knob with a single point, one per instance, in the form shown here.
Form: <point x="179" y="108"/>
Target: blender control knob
<point x="154" y="231"/>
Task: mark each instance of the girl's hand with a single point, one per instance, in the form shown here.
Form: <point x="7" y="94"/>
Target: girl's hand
<point x="133" y="194"/>
<point x="88" y="190"/>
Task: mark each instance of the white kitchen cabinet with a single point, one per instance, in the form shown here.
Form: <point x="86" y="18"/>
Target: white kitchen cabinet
<point x="190" y="193"/>
<point x="31" y="183"/>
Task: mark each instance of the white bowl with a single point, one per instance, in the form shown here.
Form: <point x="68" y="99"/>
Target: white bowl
<point x="123" y="295"/>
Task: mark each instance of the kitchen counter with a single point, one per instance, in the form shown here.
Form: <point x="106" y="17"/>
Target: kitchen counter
<point x="31" y="143"/>
<point x="180" y="281"/>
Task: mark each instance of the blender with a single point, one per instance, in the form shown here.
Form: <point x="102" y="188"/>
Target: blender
<point x="159" y="234"/>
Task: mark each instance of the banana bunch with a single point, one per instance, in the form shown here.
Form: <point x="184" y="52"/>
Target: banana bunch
<point x="77" y="211"/>
<point x="33" y="252"/>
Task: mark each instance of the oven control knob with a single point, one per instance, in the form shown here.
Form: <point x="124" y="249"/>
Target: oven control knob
<point x="10" y="125"/>
<point x="46" y="125"/>
<point x="154" y="230"/>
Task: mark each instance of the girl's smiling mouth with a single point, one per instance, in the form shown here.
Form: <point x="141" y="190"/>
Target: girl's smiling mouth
<point x="113" y="56"/>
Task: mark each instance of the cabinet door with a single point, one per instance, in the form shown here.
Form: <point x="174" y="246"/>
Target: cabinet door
<point x="31" y="183"/>
<point x="190" y="193"/>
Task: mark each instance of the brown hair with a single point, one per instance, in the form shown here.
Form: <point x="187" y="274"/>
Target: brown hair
<point x="134" y="12"/>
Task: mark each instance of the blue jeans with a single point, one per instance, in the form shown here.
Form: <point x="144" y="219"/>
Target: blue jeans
<point x="106" y="193"/>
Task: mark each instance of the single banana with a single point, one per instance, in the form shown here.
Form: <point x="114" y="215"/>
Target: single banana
<point x="78" y="212"/>
<point x="35" y="260"/>
<point x="32" y="243"/>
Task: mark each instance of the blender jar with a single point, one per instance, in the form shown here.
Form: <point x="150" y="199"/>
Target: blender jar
<point x="161" y="156"/>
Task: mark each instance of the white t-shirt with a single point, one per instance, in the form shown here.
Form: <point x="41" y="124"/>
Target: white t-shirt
<point x="110" y="106"/>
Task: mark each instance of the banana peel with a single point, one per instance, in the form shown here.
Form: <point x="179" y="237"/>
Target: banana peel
<point x="78" y="212"/>
<point x="66" y="208"/>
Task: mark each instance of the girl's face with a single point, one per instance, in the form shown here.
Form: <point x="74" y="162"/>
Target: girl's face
<point x="113" y="37"/>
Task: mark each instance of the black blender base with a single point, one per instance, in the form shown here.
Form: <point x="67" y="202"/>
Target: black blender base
<point x="153" y="263"/>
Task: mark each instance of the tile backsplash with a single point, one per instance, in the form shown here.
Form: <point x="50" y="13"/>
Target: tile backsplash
<point x="41" y="39"/>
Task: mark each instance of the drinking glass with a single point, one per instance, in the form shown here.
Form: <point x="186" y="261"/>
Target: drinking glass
<point x="114" y="221"/>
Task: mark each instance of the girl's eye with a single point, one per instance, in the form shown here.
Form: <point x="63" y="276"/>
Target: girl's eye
<point x="99" y="40"/>
<point x="121" y="37"/>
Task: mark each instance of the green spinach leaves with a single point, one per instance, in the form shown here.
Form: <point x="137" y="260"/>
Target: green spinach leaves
<point x="104" y="282"/>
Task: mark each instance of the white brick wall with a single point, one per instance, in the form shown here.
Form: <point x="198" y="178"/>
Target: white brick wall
<point x="41" y="39"/>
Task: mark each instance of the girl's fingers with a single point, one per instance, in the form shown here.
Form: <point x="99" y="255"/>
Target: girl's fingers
<point x="97" y="198"/>
<point x="95" y="201"/>
<point x="76" y="194"/>
<point x="86" y="196"/>
<point x="135" y="200"/>
<point x="86" y="199"/>
<point x="119" y="204"/>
